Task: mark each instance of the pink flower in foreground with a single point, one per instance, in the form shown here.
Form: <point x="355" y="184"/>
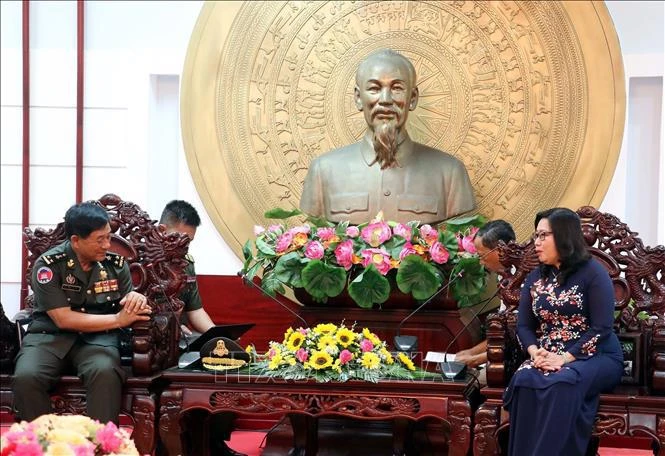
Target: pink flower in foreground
<point x="109" y="438"/>
<point x="429" y="234"/>
<point x="467" y="244"/>
<point x="258" y="229"/>
<point x="302" y="355"/>
<point x="366" y="345"/>
<point x="406" y="251"/>
<point x="439" y="253"/>
<point x="345" y="356"/>
<point x="314" y="250"/>
<point x="403" y="231"/>
<point x="376" y="234"/>
<point x="28" y="449"/>
<point x="352" y="231"/>
<point x="275" y="228"/>
<point x="283" y="242"/>
<point x="21" y="436"/>
<point x="344" y="254"/>
<point x="86" y="449"/>
<point x="305" y="229"/>
<point x="379" y="258"/>
<point x="325" y="234"/>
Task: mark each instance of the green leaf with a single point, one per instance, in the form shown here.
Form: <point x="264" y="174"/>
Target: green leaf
<point x="319" y="222"/>
<point x="247" y="250"/>
<point x="281" y="214"/>
<point x="417" y="277"/>
<point x="322" y="280"/>
<point x="464" y="223"/>
<point x="271" y="285"/>
<point x="340" y="229"/>
<point x="369" y="288"/>
<point x="474" y="220"/>
<point x="251" y="272"/>
<point x="467" y="289"/>
<point x="265" y="248"/>
<point x="289" y="269"/>
<point x="449" y="241"/>
<point x="394" y="246"/>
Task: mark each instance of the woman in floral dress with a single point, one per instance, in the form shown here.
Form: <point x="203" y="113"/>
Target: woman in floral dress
<point x="565" y="321"/>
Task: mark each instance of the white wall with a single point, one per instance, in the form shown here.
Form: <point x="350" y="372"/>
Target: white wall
<point x="133" y="60"/>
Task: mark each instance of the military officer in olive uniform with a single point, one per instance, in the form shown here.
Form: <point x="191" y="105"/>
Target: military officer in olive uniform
<point x="82" y="296"/>
<point x="181" y="217"/>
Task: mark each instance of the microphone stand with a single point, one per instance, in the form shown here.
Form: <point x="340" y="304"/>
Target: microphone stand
<point x="410" y="343"/>
<point x="452" y="369"/>
<point x="246" y="280"/>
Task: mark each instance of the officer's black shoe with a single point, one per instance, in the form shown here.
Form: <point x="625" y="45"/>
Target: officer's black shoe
<point x="224" y="450"/>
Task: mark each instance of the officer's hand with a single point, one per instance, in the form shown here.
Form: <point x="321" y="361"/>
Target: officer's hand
<point x="125" y="318"/>
<point x="185" y="330"/>
<point x="135" y="303"/>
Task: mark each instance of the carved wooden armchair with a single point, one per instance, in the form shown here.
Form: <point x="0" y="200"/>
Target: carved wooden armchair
<point x="156" y="262"/>
<point x="637" y="406"/>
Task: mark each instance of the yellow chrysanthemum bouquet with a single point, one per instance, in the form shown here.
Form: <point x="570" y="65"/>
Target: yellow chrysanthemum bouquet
<point x="330" y="352"/>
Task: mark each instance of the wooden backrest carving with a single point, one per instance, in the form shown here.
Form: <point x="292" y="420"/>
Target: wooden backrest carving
<point x="638" y="275"/>
<point x="156" y="261"/>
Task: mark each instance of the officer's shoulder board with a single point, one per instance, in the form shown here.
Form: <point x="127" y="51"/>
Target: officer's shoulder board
<point x="115" y="259"/>
<point x="54" y="258"/>
<point x="189" y="258"/>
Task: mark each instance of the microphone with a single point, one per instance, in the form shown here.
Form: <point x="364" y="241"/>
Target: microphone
<point x="453" y="369"/>
<point x="245" y="279"/>
<point x="410" y="343"/>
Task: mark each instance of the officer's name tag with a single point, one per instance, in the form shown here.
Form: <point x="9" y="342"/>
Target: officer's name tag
<point x="191" y="279"/>
<point x="69" y="287"/>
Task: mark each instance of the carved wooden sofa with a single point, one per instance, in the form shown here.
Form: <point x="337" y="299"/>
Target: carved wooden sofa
<point x="637" y="406"/>
<point x="156" y="261"/>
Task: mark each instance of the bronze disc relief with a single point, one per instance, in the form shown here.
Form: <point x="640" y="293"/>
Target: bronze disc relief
<point x="529" y="95"/>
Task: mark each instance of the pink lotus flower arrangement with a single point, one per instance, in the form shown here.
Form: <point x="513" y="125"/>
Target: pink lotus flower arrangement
<point x="367" y="260"/>
<point x="65" y="435"/>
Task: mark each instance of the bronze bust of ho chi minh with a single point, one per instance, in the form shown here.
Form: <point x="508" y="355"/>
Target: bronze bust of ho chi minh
<point x="386" y="171"/>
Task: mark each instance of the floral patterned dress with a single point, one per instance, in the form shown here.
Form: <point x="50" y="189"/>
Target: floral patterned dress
<point x="552" y="413"/>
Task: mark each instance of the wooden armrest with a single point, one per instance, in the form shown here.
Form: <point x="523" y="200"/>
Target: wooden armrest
<point x="504" y="353"/>
<point x="658" y="356"/>
<point x="155" y="344"/>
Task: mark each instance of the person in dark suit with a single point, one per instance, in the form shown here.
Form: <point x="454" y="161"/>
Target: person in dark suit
<point x="82" y="296"/>
<point x="486" y="241"/>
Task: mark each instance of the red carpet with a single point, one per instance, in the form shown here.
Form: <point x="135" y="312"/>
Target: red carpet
<point x="249" y="442"/>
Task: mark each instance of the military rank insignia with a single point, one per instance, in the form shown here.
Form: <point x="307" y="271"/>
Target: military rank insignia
<point x="105" y="286"/>
<point x="117" y="260"/>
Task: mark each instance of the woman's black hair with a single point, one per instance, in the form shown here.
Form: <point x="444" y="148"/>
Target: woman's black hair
<point x="568" y="239"/>
<point x="84" y="218"/>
